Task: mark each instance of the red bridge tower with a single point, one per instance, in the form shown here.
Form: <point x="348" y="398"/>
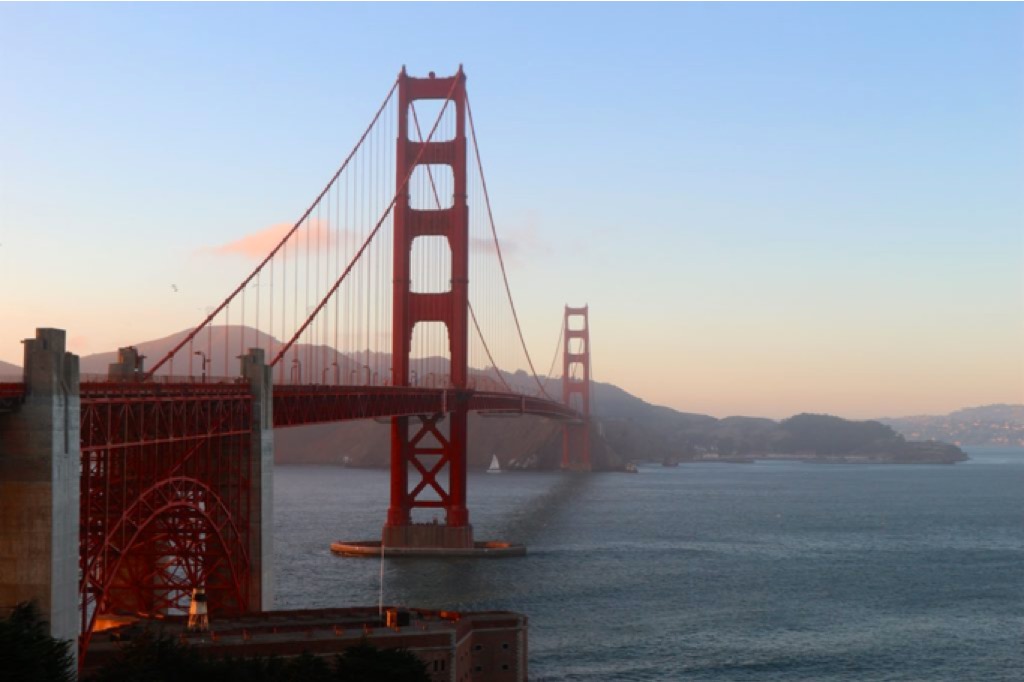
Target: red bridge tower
<point x="576" y="389"/>
<point x="420" y="442"/>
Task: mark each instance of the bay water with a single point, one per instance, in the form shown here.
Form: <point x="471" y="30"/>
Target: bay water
<point x="766" y="571"/>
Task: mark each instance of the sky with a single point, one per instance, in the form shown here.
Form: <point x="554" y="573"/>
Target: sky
<point x="770" y="209"/>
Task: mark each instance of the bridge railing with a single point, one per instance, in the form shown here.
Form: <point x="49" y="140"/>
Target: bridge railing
<point x="11" y="395"/>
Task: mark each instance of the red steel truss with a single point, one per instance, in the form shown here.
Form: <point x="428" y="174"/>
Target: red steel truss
<point x="11" y="395"/>
<point x="298" y="405"/>
<point x="165" y="497"/>
<point x="576" y="389"/>
<point x="166" y="485"/>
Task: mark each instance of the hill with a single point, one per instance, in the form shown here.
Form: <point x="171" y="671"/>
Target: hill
<point x="986" y="425"/>
<point x="9" y="372"/>
<point x="624" y="428"/>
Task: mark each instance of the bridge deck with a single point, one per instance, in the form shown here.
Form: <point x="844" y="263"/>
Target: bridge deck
<point x="295" y="405"/>
<point x="11" y="395"/>
<point x="312" y="404"/>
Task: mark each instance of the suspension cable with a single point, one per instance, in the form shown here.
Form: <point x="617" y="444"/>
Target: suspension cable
<point x="494" y="365"/>
<point x="472" y="314"/>
<point x="191" y="335"/>
<point x="558" y="347"/>
<point x="497" y="245"/>
<point x="373" y="233"/>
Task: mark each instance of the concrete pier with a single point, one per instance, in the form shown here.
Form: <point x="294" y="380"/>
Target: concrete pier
<point x="128" y="367"/>
<point x="425" y="535"/>
<point x="40" y="461"/>
<point x="261" y="509"/>
<point x="370" y="549"/>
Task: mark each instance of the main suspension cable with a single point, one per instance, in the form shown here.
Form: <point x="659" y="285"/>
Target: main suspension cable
<point x="373" y="233"/>
<point x="472" y="314"/>
<point x="497" y="246"/>
<point x="191" y="335"/>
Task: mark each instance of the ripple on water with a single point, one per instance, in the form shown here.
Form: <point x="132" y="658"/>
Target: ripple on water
<point x="708" y="572"/>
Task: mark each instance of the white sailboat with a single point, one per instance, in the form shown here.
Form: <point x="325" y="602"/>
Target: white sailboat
<point x="495" y="467"/>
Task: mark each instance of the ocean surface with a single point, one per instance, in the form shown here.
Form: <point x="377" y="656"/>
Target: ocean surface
<point x="774" y="571"/>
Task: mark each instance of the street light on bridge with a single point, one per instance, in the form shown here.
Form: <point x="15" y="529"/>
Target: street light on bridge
<point x="205" y="362"/>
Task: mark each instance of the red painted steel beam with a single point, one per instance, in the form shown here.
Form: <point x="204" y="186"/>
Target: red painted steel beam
<point x="11" y="395"/>
<point x="312" y="404"/>
<point x="12" y="390"/>
<point x="299" y="405"/>
<point x="165" y="496"/>
<point x="450" y="308"/>
<point x="99" y="390"/>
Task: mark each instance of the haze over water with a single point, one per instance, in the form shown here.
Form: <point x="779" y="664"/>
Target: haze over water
<point x="780" y="571"/>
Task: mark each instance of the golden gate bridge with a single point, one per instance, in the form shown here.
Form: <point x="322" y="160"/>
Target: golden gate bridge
<point x="387" y="299"/>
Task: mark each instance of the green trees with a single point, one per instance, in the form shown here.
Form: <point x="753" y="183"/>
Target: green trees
<point x="366" y="663"/>
<point x="827" y="435"/>
<point x="27" y="651"/>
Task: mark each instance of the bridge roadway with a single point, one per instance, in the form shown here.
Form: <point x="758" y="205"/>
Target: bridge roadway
<point x="297" y="405"/>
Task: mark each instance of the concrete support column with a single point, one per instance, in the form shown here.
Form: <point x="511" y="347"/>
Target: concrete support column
<point x="261" y="497"/>
<point x="129" y="365"/>
<point x="40" y="464"/>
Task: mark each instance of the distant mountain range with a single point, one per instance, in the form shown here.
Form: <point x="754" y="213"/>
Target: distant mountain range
<point x="986" y="425"/>
<point x="625" y="427"/>
<point x="636" y="430"/>
<point x="9" y="372"/>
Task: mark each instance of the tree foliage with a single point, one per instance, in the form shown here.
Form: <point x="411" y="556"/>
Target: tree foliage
<point x="366" y="663"/>
<point x="827" y="435"/>
<point x="27" y="651"/>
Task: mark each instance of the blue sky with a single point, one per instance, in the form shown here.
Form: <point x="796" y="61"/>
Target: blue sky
<point x="769" y="208"/>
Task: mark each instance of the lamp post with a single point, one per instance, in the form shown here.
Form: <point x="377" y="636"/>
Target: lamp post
<point x="205" y="362"/>
<point x="296" y="371"/>
<point x="337" y="372"/>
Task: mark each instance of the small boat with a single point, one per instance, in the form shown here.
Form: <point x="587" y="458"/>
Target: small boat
<point x="495" y="467"/>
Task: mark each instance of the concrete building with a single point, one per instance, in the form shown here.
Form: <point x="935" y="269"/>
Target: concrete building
<point x="484" y="646"/>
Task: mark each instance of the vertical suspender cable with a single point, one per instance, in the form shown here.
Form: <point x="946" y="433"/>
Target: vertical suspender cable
<point x="170" y="355"/>
<point x="497" y="245"/>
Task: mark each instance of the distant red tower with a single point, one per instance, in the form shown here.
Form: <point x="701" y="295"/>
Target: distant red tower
<point x="576" y="388"/>
<point x="420" y="442"/>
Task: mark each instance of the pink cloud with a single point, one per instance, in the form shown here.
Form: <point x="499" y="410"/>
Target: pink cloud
<point x="515" y="243"/>
<point x="320" y="235"/>
<point x="486" y="245"/>
<point x="314" y="234"/>
<point x="79" y="344"/>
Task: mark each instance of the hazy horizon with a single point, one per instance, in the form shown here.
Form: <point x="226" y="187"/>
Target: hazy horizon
<point x="770" y="209"/>
<point x="180" y="332"/>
